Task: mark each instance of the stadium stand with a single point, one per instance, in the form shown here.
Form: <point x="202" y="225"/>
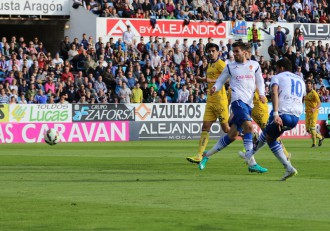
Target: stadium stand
<point x="108" y="71"/>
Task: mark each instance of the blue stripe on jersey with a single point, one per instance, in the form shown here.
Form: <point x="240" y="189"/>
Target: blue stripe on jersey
<point x="228" y="69"/>
<point x="257" y="69"/>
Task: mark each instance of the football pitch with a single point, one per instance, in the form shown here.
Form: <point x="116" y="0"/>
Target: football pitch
<point x="150" y="186"/>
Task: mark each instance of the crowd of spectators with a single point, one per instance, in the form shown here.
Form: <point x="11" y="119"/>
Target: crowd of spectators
<point x="268" y="11"/>
<point x="146" y="69"/>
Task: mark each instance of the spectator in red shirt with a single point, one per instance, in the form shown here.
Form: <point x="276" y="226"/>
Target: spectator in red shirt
<point x="254" y="7"/>
<point x="185" y="61"/>
<point x="306" y="10"/>
<point x="169" y="6"/>
<point x="324" y="18"/>
<point x="66" y="74"/>
<point x="42" y="59"/>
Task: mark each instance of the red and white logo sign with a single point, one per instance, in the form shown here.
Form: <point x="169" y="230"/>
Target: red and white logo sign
<point x="166" y="28"/>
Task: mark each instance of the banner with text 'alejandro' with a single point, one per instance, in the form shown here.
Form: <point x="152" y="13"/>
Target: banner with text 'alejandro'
<point x="170" y="121"/>
<point x="171" y="130"/>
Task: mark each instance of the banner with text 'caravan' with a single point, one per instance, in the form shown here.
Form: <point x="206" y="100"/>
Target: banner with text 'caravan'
<point x="69" y="132"/>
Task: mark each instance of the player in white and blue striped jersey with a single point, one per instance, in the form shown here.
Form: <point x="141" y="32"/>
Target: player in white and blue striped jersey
<point x="245" y="76"/>
<point x="288" y="91"/>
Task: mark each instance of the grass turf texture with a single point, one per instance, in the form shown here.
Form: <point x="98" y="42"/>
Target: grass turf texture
<point x="150" y="186"/>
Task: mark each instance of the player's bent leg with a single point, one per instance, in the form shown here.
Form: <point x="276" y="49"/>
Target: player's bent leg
<point x="313" y="132"/>
<point x="221" y="144"/>
<point x="286" y="153"/>
<point x="257" y="168"/>
<point x="247" y="137"/>
<point x="225" y="127"/>
<point x="277" y="150"/>
<point x="321" y="141"/>
<point x="289" y="173"/>
<point x="203" y="162"/>
<point x="203" y="141"/>
<point x="202" y="145"/>
<point x="313" y="125"/>
<point x="248" y="145"/>
<point x="248" y="158"/>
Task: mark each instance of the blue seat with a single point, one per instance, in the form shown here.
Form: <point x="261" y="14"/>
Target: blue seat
<point x="124" y="68"/>
<point x="326" y="83"/>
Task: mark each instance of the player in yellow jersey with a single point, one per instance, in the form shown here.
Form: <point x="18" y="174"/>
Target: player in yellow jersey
<point x="216" y="104"/>
<point x="312" y="101"/>
<point x="260" y="111"/>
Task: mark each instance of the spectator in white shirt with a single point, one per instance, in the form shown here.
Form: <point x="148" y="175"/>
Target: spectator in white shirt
<point x="298" y="6"/>
<point x="100" y="85"/>
<point x="125" y="94"/>
<point x="58" y="60"/>
<point x="155" y="60"/>
<point x="128" y="36"/>
<point x="281" y="18"/>
<point x="178" y="56"/>
<point x="183" y="94"/>
<point x="298" y="72"/>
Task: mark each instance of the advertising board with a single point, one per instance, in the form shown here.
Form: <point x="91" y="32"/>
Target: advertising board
<point x="69" y="132"/>
<point x="35" y="7"/>
<point x="166" y="28"/>
<point x="4" y="113"/>
<point x="102" y="112"/>
<point x="169" y="112"/>
<point x="299" y="132"/>
<point x="40" y="113"/>
<point x="171" y="130"/>
<point x="312" y="31"/>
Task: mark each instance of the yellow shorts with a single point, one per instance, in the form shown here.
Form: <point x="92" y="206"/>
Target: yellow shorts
<point x="260" y="117"/>
<point x="216" y="111"/>
<point x="311" y="119"/>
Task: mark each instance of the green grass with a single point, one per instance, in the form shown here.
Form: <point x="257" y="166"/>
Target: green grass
<point x="150" y="186"/>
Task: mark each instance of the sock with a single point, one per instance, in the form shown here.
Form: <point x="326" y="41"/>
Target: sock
<point x="252" y="161"/>
<point x="276" y="148"/>
<point x="221" y="144"/>
<point x="248" y="145"/>
<point x="286" y="153"/>
<point x="313" y="132"/>
<point x="260" y="143"/>
<point x="203" y="143"/>
<point x="318" y="135"/>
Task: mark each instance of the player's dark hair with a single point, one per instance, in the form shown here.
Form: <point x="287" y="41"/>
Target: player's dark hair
<point x="211" y="45"/>
<point x="242" y="45"/>
<point x="309" y="81"/>
<point x="285" y="63"/>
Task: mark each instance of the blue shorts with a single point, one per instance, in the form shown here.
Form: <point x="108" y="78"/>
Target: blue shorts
<point x="289" y="122"/>
<point x="242" y="113"/>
